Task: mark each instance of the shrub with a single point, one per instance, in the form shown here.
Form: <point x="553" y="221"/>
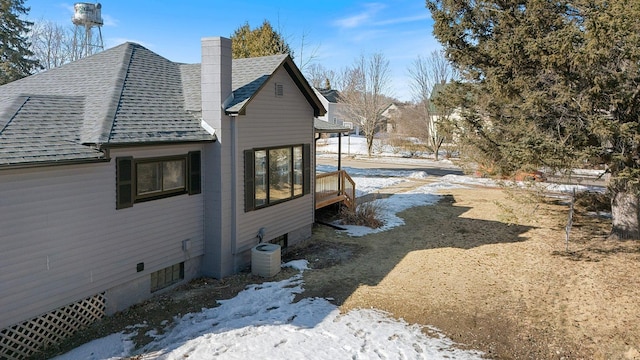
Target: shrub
<point x="412" y="148"/>
<point x="593" y="201"/>
<point x="365" y="214"/>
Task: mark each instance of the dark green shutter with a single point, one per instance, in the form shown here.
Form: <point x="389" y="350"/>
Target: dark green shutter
<point x="306" y="165"/>
<point x="124" y="182"/>
<point x="195" y="179"/>
<point x="249" y="178"/>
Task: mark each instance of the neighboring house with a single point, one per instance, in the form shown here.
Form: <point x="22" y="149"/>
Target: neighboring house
<point x="330" y="99"/>
<point x="124" y="173"/>
<point x="437" y="114"/>
<point x="390" y="117"/>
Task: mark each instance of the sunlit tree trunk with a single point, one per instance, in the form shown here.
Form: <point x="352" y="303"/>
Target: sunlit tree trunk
<point x="625" y="211"/>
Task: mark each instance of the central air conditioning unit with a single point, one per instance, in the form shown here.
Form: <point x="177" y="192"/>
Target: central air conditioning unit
<point x="265" y="260"/>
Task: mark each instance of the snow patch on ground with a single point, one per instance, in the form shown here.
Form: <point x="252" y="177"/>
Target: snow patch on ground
<point x="264" y="321"/>
<point x="299" y="265"/>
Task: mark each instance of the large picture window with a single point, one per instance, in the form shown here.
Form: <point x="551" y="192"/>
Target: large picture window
<point x="277" y="174"/>
<point x="154" y="178"/>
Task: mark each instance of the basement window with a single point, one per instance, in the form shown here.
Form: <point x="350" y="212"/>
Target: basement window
<point x="167" y="277"/>
<point x="282" y="240"/>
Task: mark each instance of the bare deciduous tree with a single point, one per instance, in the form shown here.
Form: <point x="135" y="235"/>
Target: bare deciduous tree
<point x="431" y="122"/>
<point x="363" y="93"/>
<point x="51" y="44"/>
<point x="306" y="55"/>
<point x="320" y="77"/>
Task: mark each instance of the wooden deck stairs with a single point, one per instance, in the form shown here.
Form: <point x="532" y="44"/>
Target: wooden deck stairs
<point x="334" y="187"/>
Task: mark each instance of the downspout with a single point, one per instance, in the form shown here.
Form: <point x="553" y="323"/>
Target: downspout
<point x="315" y="167"/>
<point x="234" y="185"/>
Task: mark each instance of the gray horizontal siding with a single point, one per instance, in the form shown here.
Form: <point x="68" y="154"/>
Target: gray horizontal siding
<point x="277" y="220"/>
<point x="274" y="121"/>
<point x="62" y="239"/>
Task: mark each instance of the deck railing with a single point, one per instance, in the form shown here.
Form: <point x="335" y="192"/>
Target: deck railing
<point x="335" y="187"/>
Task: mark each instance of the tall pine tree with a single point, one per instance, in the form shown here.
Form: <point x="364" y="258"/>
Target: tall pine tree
<point x="15" y="57"/>
<point x="550" y="83"/>
<point x="261" y="41"/>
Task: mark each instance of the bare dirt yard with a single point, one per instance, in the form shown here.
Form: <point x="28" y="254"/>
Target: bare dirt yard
<point x="510" y="290"/>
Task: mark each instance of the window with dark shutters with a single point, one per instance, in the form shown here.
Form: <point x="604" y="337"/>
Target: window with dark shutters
<point x="148" y="179"/>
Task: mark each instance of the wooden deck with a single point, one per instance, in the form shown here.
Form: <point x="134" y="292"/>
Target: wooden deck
<point x="335" y="187"/>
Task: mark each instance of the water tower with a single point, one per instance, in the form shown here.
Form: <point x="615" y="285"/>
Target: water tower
<point x="87" y="16"/>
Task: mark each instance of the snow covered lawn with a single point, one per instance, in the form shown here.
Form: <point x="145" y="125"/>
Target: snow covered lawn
<point x="263" y="322"/>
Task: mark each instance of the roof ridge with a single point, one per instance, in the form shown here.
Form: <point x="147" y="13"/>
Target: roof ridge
<point x="151" y="106"/>
<point x="115" y="102"/>
<point x="263" y="57"/>
<point x="112" y="65"/>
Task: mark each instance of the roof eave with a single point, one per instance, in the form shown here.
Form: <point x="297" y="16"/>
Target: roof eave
<point x="322" y="127"/>
<point x="153" y="143"/>
<point x="37" y="164"/>
<point x="303" y="85"/>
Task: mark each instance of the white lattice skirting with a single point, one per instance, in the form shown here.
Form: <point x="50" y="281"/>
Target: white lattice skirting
<point x="25" y="339"/>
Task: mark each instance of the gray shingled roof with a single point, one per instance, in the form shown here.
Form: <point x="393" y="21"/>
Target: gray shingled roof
<point x="124" y="95"/>
<point x="152" y="104"/>
<point x="322" y="126"/>
<point x="96" y="79"/>
<point x="332" y="95"/>
<point x="45" y="130"/>
<point x="191" y="88"/>
<point x="249" y="75"/>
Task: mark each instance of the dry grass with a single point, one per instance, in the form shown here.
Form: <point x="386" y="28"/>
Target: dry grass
<point x="507" y="288"/>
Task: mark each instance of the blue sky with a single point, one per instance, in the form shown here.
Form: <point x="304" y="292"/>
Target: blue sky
<point x="339" y="30"/>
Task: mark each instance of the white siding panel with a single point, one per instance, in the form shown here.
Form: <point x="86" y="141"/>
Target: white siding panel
<point x="62" y="239"/>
